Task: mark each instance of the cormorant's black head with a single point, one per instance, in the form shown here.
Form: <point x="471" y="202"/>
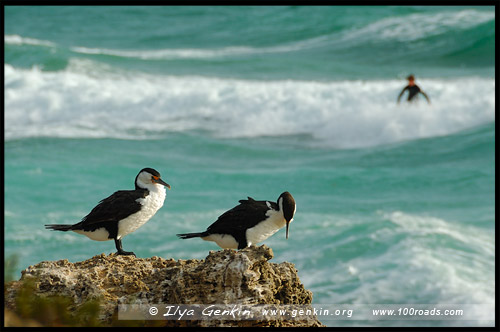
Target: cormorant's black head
<point x="148" y="176"/>
<point x="286" y="204"/>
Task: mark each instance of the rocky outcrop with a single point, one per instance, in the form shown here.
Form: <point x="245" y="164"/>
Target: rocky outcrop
<point x="244" y="277"/>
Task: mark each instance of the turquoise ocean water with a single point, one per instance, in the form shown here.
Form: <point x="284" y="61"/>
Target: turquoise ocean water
<point x="395" y="203"/>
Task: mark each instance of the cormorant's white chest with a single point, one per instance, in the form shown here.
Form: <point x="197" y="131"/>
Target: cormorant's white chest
<point x="275" y="220"/>
<point x="150" y="205"/>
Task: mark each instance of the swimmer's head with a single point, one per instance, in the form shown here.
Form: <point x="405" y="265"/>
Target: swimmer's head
<point x="411" y="80"/>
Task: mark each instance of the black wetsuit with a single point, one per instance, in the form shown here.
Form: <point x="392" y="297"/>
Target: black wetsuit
<point x="412" y="92"/>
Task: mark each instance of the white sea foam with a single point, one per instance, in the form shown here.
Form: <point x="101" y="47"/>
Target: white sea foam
<point x="174" y="53"/>
<point x="482" y="242"/>
<point x="460" y="264"/>
<point x="419" y="25"/>
<point x="409" y="258"/>
<point x="403" y="28"/>
<point x="18" y="40"/>
<point x="91" y="100"/>
<point x="188" y="53"/>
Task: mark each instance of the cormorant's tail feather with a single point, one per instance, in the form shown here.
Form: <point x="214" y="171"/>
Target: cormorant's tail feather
<point x="59" y="227"/>
<point x="191" y="235"/>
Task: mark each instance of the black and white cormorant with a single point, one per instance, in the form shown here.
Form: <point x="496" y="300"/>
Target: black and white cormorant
<point x="249" y="223"/>
<point x="123" y="212"/>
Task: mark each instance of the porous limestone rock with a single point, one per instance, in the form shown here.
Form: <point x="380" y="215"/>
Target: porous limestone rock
<point x="223" y="277"/>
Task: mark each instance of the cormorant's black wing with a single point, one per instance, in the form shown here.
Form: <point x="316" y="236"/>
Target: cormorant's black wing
<point x="243" y="216"/>
<point x="116" y="207"/>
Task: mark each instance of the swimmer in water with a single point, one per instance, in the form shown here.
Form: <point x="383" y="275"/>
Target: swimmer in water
<point x="413" y="90"/>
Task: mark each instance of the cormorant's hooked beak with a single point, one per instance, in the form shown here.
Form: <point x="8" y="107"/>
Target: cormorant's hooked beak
<point x="287" y="225"/>
<point x="160" y="181"/>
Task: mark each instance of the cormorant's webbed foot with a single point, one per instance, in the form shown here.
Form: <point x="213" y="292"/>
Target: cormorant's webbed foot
<point x="120" y="251"/>
<point x="125" y="253"/>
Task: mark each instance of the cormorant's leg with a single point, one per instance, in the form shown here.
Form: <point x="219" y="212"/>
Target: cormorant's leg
<point x="118" y="243"/>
